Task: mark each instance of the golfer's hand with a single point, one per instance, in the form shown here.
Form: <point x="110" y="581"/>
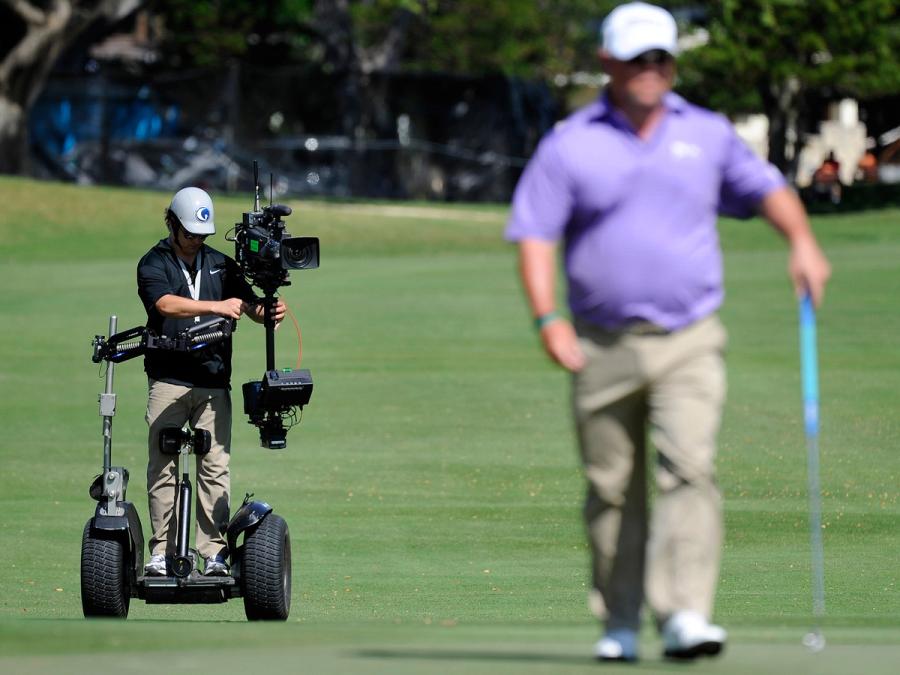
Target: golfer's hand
<point x="230" y="308"/>
<point x="561" y="344"/>
<point x="809" y="269"/>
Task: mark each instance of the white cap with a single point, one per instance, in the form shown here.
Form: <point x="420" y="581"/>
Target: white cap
<point x="194" y="210"/>
<point x="635" y="28"/>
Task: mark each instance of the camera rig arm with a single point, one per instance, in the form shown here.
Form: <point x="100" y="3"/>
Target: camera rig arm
<point x="137" y="341"/>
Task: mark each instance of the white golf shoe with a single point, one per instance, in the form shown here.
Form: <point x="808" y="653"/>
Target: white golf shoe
<point x="687" y="635"/>
<point x="617" y="645"/>
<point x="156" y="566"/>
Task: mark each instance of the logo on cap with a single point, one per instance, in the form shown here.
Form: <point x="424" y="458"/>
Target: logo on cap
<point x="202" y="214"/>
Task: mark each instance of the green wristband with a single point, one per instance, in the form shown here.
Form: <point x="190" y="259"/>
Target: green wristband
<point x="545" y="319"/>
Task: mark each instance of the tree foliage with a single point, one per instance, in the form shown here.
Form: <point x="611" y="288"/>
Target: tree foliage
<point x="523" y="37"/>
<point x="775" y="55"/>
<point x="772" y="56"/>
<point x="527" y="38"/>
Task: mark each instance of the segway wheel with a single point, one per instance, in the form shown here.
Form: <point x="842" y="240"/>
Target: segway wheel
<point x="266" y="571"/>
<point x="105" y="590"/>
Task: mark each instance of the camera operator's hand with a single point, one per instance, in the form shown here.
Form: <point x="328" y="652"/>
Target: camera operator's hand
<point x="230" y="308"/>
<point x="256" y="311"/>
<point x="278" y="311"/>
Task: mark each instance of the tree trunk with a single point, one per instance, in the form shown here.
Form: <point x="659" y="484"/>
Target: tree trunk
<point x="23" y="73"/>
<point x="361" y="94"/>
<point x="13" y="137"/>
<point x="782" y="103"/>
<point x="25" y="67"/>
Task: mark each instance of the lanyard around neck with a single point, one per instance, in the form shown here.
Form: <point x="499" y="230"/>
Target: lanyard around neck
<point x="193" y="286"/>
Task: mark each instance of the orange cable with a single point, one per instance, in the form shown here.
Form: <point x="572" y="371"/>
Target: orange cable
<point x="299" y="336"/>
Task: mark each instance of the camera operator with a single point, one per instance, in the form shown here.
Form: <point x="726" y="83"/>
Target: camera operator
<point x="180" y="280"/>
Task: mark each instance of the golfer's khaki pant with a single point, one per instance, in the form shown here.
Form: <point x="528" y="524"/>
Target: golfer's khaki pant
<point x="170" y="405"/>
<point x="674" y="386"/>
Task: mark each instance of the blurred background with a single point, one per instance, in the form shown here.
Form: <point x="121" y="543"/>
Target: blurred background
<point x="422" y="99"/>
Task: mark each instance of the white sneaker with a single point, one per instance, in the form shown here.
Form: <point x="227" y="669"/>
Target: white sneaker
<point x="687" y="635"/>
<point x="156" y="567"/>
<point x="216" y="567"/>
<point x="617" y="645"/>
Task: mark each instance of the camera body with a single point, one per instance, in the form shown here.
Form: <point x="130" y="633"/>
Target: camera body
<point x="265" y="251"/>
<point x="268" y="402"/>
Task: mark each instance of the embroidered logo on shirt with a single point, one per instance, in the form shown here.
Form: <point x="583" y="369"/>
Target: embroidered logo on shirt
<point x="683" y="150"/>
<point x="216" y="271"/>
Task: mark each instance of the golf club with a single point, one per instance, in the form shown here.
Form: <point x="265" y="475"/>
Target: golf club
<point x="813" y="640"/>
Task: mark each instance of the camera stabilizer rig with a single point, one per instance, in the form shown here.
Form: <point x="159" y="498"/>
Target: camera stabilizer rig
<point x="265" y="252"/>
<point x="136" y="341"/>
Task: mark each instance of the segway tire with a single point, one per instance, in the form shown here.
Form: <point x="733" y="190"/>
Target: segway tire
<point x="266" y="571"/>
<point x="105" y="591"/>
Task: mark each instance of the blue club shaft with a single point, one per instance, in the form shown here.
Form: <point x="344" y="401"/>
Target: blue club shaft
<point x="810" y="377"/>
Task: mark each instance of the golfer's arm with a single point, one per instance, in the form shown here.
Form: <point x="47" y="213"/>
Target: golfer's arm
<point x="807" y="267"/>
<point x="537" y="267"/>
<point x="784" y="210"/>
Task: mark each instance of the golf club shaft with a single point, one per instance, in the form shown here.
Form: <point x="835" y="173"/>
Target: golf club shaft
<point x="810" y="378"/>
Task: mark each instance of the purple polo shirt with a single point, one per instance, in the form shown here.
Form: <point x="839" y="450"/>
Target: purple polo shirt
<point x="638" y="217"/>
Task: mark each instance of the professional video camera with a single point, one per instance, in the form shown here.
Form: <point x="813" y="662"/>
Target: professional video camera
<point x="265" y="252"/>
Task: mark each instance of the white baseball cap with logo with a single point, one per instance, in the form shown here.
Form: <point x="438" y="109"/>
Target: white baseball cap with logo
<point x="194" y="210"/>
<point x="637" y="27"/>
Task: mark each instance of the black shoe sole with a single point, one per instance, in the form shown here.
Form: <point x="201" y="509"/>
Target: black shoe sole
<point x="616" y="659"/>
<point x="710" y="648"/>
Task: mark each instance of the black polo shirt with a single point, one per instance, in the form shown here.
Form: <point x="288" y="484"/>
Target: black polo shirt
<point x="159" y="274"/>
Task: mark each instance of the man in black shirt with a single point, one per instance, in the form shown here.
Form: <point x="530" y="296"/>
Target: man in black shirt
<point x="181" y="280"/>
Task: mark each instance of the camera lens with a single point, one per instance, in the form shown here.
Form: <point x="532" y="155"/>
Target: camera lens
<point x="300" y="253"/>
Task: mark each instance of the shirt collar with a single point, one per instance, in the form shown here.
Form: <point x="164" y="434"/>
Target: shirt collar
<point x="166" y="246"/>
<point x="604" y="108"/>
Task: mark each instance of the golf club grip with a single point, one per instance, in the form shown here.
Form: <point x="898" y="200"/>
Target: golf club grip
<point x="809" y="367"/>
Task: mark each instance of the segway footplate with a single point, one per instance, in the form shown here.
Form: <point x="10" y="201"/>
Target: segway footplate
<point x="193" y="589"/>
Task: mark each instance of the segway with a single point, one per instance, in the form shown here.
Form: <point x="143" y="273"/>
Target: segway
<point x="112" y="560"/>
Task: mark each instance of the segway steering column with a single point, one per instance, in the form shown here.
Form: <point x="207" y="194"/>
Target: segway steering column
<point x="181" y="442"/>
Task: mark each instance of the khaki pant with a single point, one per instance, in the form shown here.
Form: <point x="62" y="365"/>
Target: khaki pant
<point x="673" y="384"/>
<point x="170" y="405"/>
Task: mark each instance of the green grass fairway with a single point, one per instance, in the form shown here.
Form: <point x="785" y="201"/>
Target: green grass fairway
<point x="433" y="490"/>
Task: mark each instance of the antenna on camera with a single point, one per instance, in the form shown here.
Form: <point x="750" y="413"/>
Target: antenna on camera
<point x="256" y="186"/>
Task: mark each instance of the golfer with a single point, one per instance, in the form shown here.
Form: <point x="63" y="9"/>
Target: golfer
<point x="181" y="280"/>
<point x="632" y="185"/>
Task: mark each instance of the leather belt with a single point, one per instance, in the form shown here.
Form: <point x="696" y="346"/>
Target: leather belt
<point x="645" y="328"/>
